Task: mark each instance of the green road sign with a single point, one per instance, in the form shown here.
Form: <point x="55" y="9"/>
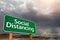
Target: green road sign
<point x="12" y="24"/>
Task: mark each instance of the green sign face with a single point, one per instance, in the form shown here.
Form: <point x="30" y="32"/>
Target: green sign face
<point x="12" y="24"/>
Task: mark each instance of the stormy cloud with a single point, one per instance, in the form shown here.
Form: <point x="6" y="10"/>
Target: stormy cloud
<point x="46" y="16"/>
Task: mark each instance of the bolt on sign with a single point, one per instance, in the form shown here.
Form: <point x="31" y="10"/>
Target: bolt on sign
<point x="13" y="24"/>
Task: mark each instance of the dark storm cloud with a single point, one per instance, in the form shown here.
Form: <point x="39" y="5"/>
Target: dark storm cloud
<point x="26" y="11"/>
<point x="43" y="20"/>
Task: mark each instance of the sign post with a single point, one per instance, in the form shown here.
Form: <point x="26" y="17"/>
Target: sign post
<point x="10" y="35"/>
<point x="13" y="24"/>
<point x="30" y="37"/>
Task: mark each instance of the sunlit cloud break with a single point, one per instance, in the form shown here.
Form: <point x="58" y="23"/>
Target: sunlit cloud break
<point x="46" y="7"/>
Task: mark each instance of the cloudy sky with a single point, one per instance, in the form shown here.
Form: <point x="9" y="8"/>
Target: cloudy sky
<point x="45" y="13"/>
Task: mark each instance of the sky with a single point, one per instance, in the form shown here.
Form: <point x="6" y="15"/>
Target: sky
<point x="45" y="13"/>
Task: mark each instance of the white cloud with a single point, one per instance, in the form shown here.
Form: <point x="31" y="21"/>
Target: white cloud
<point x="2" y="2"/>
<point x="23" y="7"/>
<point x="18" y="5"/>
<point x="10" y="7"/>
<point x="45" y="32"/>
<point x="17" y="0"/>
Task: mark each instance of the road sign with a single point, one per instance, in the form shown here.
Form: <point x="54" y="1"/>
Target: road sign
<point x="13" y="24"/>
